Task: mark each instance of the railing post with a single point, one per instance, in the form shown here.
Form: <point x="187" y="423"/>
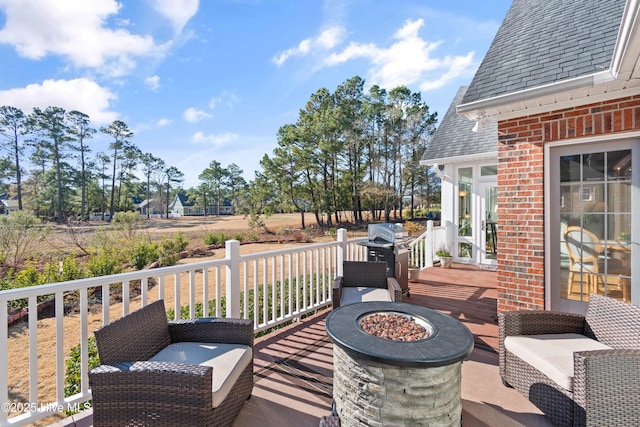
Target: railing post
<point x="428" y="246"/>
<point x="342" y="250"/>
<point x="232" y="248"/>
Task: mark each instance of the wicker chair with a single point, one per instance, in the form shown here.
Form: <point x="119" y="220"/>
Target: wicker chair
<point x="364" y="281"/>
<point x="603" y="387"/>
<point x="136" y="385"/>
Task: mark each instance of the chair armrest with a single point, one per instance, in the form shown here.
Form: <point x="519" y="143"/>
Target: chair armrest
<point x="606" y="386"/>
<point x="130" y="388"/>
<point x="394" y="289"/>
<point x="213" y="329"/>
<point x="336" y="291"/>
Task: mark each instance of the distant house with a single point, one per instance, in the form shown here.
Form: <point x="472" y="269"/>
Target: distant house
<point x="182" y="206"/>
<point x="7" y="204"/>
<point x="147" y="207"/>
<point x="562" y="81"/>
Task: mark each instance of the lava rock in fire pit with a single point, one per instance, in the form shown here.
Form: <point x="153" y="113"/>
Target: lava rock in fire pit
<point x="393" y="326"/>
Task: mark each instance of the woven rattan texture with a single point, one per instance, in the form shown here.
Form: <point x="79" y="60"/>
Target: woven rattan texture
<point x="143" y="393"/>
<point x="365" y="274"/>
<point x="137" y="336"/>
<point x="605" y="384"/>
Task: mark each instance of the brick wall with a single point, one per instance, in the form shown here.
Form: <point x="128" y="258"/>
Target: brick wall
<point x="521" y="189"/>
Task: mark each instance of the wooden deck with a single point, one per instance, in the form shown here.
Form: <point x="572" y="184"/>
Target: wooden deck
<point x="294" y="370"/>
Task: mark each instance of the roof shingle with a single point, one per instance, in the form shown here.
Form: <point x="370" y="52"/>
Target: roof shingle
<point x="544" y="41"/>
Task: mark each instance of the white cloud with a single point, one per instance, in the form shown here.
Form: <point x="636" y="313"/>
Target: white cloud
<point x="76" y="31"/>
<point x="163" y="122"/>
<point x="226" y="97"/>
<point x="328" y="39"/>
<point x="217" y="140"/>
<point x="410" y="59"/>
<point x="193" y="115"/>
<point x="152" y="82"/>
<point x="178" y="12"/>
<point x="80" y="94"/>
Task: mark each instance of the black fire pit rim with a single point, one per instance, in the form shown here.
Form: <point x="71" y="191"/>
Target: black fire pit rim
<point x="450" y="343"/>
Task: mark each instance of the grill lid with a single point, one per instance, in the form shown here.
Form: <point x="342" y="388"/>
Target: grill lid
<point x="387" y="232"/>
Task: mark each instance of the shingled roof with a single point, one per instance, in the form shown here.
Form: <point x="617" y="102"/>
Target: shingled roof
<point x="455" y="137"/>
<point x="545" y="41"/>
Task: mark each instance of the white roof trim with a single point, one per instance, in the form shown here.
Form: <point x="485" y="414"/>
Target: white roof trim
<point x="469" y="158"/>
<point x="478" y="109"/>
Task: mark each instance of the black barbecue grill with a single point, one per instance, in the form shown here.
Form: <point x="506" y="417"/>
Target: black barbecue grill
<point x="390" y="243"/>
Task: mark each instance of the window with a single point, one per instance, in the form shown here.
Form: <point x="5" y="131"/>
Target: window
<point x="465" y="220"/>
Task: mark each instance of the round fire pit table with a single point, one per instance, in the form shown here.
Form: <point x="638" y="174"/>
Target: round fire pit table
<point x="378" y="381"/>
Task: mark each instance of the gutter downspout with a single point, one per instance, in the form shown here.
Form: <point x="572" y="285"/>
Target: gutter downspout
<point x="439" y="172"/>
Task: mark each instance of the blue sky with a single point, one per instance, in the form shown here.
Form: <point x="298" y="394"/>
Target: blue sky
<point x="198" y="81"/>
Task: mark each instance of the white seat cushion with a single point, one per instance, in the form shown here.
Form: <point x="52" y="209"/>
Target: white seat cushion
<point x="228" y="362"/>
<point x="552" y="354"/>
<point x="352" y="295"/>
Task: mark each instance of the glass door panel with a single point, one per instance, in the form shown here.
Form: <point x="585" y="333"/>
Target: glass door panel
<point x="595" y="217"/>
<point x="489" y="235"/>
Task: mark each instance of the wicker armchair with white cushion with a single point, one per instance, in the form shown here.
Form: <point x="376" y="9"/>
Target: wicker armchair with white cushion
<point x="364" y="281"/>
<point x="195" y="372"/>
<point x="578" y="370"/>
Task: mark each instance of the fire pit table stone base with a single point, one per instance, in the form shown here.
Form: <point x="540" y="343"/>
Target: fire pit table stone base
<point x="398" y="396"/>
<point x="382" y="382"/>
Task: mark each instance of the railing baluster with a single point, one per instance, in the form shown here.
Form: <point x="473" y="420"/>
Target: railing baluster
<point x="176" y="296"/>
<point x="4" y="360"/>
<point x="245" y="290"/>
<point x="192" y="294"/>
<point x="282" y="288"/>
<point x="84" y="339"/>
<point x="218" y="291"/>
<point x="106" y="297"/>
<point x="265" y="301"/>
<point x="59" y="313"/>
<point x="274" y="291"/>
<point x="125" y="297"/>
<point x="290" y="284"/>
<point x="304" y="280"/>
<point x="33" y="349"/>
<point x="144" y="287"/>
<point x="205" y="292"/>
<point x="161" y="286"/>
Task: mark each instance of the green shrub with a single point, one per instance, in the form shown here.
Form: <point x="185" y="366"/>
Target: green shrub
<point x="144" y="254"/>
<point x="180" y="242"/>
<point x="169" y="249"/>
<point x="103" y="264"/>
<point x="239" y="237"/>
<point x="252" y="237"/>
<point x="70" y="269"/>
<point x="212" y="238"/>
<point x="20" y="236"/>
<point x="73" y="365"/>
<point x="128" y="223"/>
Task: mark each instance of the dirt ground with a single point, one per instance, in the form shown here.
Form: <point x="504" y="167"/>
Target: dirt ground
<point x="194" y="229"/>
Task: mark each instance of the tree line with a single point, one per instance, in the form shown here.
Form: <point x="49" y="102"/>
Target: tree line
<point x="352" y="151"/>
<point x="349" y="151"/>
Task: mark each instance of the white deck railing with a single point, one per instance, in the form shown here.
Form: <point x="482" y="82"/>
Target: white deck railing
<point x="270" y="287"/>
<point x="423" y="248"/>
